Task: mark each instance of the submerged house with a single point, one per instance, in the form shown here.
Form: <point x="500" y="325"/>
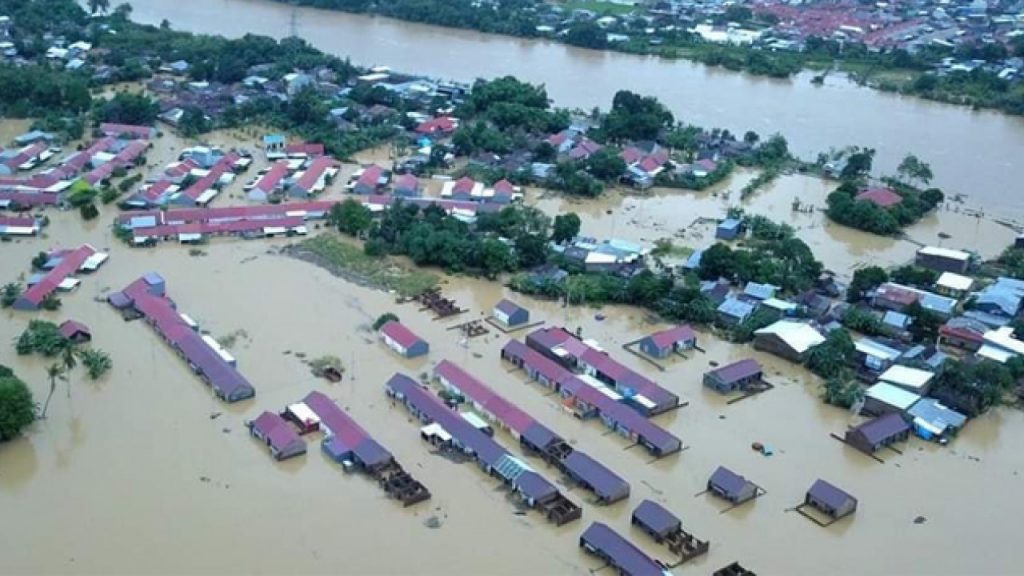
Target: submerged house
<point x="883" y="398"/>
<point x="830" y="500"/>
<point x="932" y="420"/>
<point x="621" y="554"/>
<point x="655" y="520"/>
<point x="732" y="377"/>
<point x="788" y="339"/>
<point x="878" y="433"/>
<point x="278" y="434"/>
<point x="910" y="379"/>
<point x="510" y="314"/>
<point x="943" y="259"/>
<point x="74" y="331"/>
<point x="665" y="342"/>
<point x="729" y="485"/>
<point x="734" y="311"/>
<point x="402" y="340"/>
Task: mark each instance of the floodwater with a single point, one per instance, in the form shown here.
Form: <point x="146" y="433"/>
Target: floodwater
<point x="973" y="152"/>
<point x="686" y="217"/>
<point x="145" y="472"/>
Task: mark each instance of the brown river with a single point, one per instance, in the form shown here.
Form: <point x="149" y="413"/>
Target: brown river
<point x="973" y="152"/>
<point x="143" y="472"/>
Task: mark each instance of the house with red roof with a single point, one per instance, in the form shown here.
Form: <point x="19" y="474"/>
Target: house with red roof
<point x="304" y="149"/>
<point x="879" y="196"/>
<point x="127" y="130"/>
<point x="270" y="182"/>
<point x="584" y="149"/>
<point x="407" y="186"/>
<point x="464" y="188"/>
<point x="18" y="226"/>
<point x="665" y="342"/>
<point x="892" y="296"/>
<point x="316" y="176"/>
<point x="68" y="264"/>
<point x="11" y="161"/>
<point x="75" y="331"/>
<point x="371" y="179"/>
<point x="402" y="340"/>
<point x="274" y="431"/>
<point x="437" y="126"/>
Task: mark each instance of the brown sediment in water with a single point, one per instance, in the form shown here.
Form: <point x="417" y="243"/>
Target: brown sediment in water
<point x="131" y="474"/>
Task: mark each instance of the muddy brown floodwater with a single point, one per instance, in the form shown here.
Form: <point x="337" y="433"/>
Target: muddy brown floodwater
<point x="144" y="472"/>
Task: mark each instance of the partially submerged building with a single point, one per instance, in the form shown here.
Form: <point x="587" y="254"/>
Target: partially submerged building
<point x="636" y="390"/>
<point x="665" y="528"/>
<point x="788" y="339"/>
<point x="509" y="314"/>
<point x="932" y="420"/>
<point x="283" y="441"/>
<point x="665" y="342"/>
<point x="830" y="500"/>
<point x="730" y="486"/>
<point x="585" y="400"/>
<point x="732" y="377"/>
<point x="912" y="380"/>
<point x="145" y="297"/>
<point x="75" y="331"/>
<point x="943" y="259"/>
<point x="532" y="435"/>
<point x="402" y="340"/>
<point x="61" y="265"/>
<point x="878" y="433"/>
<point x="883" y="398"/>
<point x="531" y="487"/>
<point x="621" y="554"/>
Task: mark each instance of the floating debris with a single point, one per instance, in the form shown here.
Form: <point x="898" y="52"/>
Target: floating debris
<point x="920" y="520"/>
<point x="433" y="522"/>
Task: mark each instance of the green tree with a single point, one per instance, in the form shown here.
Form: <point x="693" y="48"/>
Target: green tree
<point x="566" y="227"/>
<point x="531" y="250"/>
<point x="495" y="258"/>
<point x="864" y="280"/>
<point x="842" y="391"/>
<point x="9" y="294"/>
<point x="912" y="169"/>
<point x="54" y="372"/>
<point x="831" y="358"/>
<point x="17" y="408"/>
<point x="384" y="319"/>
<point x="606" y="164"/>
<point x="99" y="6"/>
<point x="96" y="362"/>
<point x="128" y="108"/>
<point x="351" y="217"/>
<point x="858" y="164"/>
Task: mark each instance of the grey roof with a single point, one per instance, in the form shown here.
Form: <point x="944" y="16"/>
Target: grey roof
<point x="623" y="554"/>
<point x="829" y="495"/>
<point x="759" y="291"/>
<point x="728" y="481"/>
<point x="895" y="319"/>
<point x="736" y="308"/>
<point x="605" y="483"/>
<point x="540" y="436"/>
<point x="938" y="304"/>
<point x="532" y="485"/>
<point x="656" y="517"/>
<point x="937" y="414"/>
<point x="883" y="427"/>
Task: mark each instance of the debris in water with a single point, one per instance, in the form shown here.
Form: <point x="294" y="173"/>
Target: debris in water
<point x="477" y="355"/>
<point x="226" y="430"/>
<point x="433" y="522"/>
<point x="204" y="479"/>
<point x="599" y="317"/>
<point x="920" y="520"/>
<point x="215" y="415"/>
<point x="721" y="416"/>
<point x="519" y="513"/>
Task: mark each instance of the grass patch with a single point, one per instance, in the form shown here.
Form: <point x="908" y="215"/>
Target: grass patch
<point x="664" y="247"/>
<point x="350" y="262"/>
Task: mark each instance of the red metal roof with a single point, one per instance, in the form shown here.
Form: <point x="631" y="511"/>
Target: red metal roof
<point x="441" y="124"/>
<point x="883" y="197"/>
<point x="268" y="183"/>
<point x="314" y="172"/>
<point x="111" y="129"/>
<point x="667" y="338"/>
<point x="400" y="334"/>
<point x="68" y="265"/>
<point x="481" y="394"/>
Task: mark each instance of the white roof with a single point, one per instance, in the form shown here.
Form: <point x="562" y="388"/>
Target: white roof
<point x="994" y="353"/>
<point x="797" y="335"/>
<point x="205" y="197"/>
<point x="474" y="420"/>
<point x="904" y="377"/>
<point x="68" y="284"/>
<point x="188" y="320"/>
<point x="955" y="281"/>
<point x="874" y="349"/>
<point x="1004" y="339"/>
<point x="94" y="261"/>
<point x="779" y="304"/>
<point x="435" y="429"/>
<point x="944" y="253"/>
<point x="303" y="413"/>
<point x="644" y="401"/>
<point x="213" y="344"/>
<point x="892" y="395"/>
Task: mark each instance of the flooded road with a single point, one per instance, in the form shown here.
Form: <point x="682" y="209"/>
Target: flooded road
<point x="136" y="473"/>
<point x="974" y="153"/>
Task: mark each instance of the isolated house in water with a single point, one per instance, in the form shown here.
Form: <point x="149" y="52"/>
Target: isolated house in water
<point x="74" y="331"/>
<point x="279" y="436"/>
<point x="402" y="340"/>
<point x="621" y="554"/>
<point x="661" y="344"/>
<point x="878" y="433"/>
<point x="726" y="484"/>
<point x="510" y="314"/>
<point x="830" y="500"/>
<point x="655" y="520"/>
<point x="732" y="377"/>
<point x="729" y="229"/>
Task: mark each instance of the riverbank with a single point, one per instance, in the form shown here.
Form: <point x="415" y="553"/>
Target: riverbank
<point x="881" y="70"/>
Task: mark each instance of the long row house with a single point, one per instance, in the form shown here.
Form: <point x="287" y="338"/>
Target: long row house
<point x="457" y="434"/>
<point x="532" y="435"/>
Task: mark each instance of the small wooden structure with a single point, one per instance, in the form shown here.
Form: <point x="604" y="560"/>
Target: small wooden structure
<point x="665" y="528"/>
<point x="471" y="329"/>
<point x="434" y="301"/>
<point x="828" y="500"/>
<point x="733" y="569"/>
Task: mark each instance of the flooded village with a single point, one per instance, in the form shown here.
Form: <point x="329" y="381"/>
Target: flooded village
<point x="295" y="388"/>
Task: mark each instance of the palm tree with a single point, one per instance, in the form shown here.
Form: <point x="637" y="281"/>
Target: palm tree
<point x="68" y="360"/>
<point x="98" y="6"/>
<point x="54" y="372"/>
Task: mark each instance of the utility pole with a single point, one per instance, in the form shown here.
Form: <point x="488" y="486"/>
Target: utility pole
<point x="293" y="23"/>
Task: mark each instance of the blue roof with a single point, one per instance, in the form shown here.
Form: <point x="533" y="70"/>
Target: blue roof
<point x="938" y="304"/>
<point x="273" y="139"/>
<point x="759" y="291"/>
<point x="935" y="413"/>
<point x="693" y="262"/>
<point x="729" y="223"/>
<point x="895" y="319"/>
<point x="736" y="308"/>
